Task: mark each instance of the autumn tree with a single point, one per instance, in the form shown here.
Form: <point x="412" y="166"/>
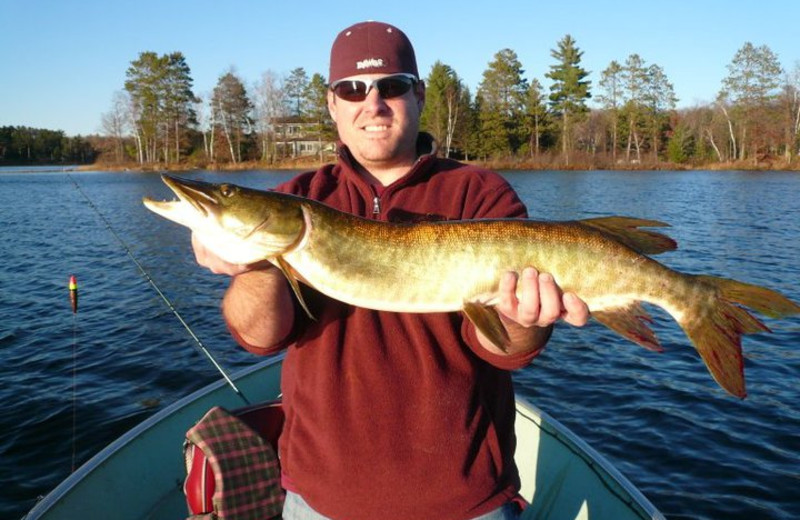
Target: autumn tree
<point x="570" y="89"/>
<point x="232" y="113"/>
<point x="747" y="94"/>
<point x="790" y="108"/>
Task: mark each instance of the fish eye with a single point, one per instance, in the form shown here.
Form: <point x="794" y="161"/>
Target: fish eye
<point x="226" y="190"/>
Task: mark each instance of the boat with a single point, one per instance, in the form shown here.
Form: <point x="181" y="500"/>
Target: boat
<point x="141" y="474"/>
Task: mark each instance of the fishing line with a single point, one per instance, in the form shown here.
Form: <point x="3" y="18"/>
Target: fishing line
<point x="74" y="388"/>
<point x="163" y="297"/>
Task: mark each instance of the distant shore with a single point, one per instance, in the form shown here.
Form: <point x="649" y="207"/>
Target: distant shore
<point x="305" y="164"/>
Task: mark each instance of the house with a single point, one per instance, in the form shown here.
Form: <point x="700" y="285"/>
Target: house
<point x="298" y="137"/>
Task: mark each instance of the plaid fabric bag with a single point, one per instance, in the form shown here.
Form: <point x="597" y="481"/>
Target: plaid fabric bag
<point x="232" y="472"/>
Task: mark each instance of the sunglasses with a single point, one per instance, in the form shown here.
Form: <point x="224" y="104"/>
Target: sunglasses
<point x="388" y="87"/>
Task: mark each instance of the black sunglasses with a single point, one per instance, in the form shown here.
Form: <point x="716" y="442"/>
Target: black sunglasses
<point x="388" y="87"/>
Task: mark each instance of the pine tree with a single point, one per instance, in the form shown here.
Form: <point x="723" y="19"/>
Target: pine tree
<point x="570" y="89"/>
<point x="536" y="118"/>
<point x="503" y="91"/>
<point x="160" y="90"/>
<point x="443" y="105"/>
<point x="295" y="86"/>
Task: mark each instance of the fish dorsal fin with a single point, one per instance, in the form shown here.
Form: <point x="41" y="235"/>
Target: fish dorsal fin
<point x="631" y="322"/>
<point x="287" y="271"/>
<point x="486" y="320"/>
<point x="626" y="231"/>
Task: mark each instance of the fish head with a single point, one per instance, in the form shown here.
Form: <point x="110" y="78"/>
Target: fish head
<point x="238" y="224"/>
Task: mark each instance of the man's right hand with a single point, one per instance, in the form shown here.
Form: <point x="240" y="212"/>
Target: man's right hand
<point x="257" y="305"/>
<point x="206" y="258"/>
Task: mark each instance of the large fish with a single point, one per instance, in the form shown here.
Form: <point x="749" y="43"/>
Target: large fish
<point x="456" y="265"/>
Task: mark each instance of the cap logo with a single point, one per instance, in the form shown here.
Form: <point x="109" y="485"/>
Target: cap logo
<point x="370" y="63"/>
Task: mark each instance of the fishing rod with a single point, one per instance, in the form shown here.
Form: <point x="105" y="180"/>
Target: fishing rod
<point x="163" y="297"/>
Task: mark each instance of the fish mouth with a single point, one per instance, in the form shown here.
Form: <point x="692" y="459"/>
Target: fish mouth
<point x="198" y="194"/>
<point x="195" y="194"/>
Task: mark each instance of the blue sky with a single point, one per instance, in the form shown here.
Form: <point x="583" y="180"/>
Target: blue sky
<point x="61" y="61"/>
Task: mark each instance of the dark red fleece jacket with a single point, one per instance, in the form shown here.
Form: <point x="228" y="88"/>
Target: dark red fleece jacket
<point x="393" y="415"/>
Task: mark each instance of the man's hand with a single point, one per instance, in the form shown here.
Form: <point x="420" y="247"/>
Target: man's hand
<point x="540" y="302"/>
<point x="258" y="304"/>
<point x="217" y="265"/>
<point x="528" y="307"/>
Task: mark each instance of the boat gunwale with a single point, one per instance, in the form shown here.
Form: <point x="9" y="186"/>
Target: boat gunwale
<point x="99" y="459"/>
<point x="598" y="463"/>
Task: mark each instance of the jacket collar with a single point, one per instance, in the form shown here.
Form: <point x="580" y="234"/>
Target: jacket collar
<point x="426" y="150"/>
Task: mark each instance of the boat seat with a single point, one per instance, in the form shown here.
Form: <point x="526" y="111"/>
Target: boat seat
<point x="231" y="463"/>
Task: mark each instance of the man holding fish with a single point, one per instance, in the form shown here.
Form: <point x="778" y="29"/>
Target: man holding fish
<point x="388" y="414"/>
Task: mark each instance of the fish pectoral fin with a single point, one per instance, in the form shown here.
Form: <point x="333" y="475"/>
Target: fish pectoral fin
<point x="486" y="320"/>
<point x="288" y="272"/>
<point x="630" y="322"/>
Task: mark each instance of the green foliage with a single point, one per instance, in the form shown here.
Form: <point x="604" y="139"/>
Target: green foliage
<point x="753" y="75"/>
<point x="570" y="89"/>
<point x="508" y="117"/>
<point x="161" y="104"/>
<point x="24" y="145"/>
<point x="295" y="87"/>
<point x="503" y="93"/>
<point x="446" y="106"/>
<point x="681" y="146"/>
<point x="537" y="122"/>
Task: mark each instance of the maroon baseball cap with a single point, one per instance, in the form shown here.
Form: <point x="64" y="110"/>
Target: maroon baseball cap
<point x="370" y="48"/>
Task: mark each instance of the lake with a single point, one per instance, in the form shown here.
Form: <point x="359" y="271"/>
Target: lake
<point x="70" y="384"/>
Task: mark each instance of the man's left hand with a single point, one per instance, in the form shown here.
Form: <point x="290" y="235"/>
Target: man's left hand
<point x="535" y="299"/>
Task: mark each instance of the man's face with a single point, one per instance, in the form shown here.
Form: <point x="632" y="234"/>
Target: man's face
<point x="380" y="133"/>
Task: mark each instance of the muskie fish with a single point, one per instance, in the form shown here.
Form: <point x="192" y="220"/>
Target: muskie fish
<point x="450" y="266"/>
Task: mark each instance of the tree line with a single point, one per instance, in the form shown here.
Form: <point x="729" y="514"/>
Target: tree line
<point x="21" y="145"/>
<point x="159" y="119"/>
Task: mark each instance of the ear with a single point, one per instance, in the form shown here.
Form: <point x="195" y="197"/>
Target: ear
<point x="421" y="95"/>
<point x="332" y="105"/>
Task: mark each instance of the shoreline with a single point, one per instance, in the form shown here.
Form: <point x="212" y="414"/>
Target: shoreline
<point x="496" y="165"/>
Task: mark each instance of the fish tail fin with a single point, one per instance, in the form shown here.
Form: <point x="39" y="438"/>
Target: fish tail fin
<point x="716" y="326"/>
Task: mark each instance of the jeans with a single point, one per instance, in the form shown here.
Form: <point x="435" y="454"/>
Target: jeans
<point x="295" y="508"/>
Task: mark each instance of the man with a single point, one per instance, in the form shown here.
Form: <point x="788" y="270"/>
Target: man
<point x="393" y="415"/>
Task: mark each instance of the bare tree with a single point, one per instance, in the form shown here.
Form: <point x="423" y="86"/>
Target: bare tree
<point x="270" y="104"/>
<point x="115" y="122"/>
<point x="611" y="100"/>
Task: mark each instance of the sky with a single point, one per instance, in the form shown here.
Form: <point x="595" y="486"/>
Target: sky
<point x="62" y="61"/>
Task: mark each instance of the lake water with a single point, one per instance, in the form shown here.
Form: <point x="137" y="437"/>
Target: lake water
<point x="70" y="384"/>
